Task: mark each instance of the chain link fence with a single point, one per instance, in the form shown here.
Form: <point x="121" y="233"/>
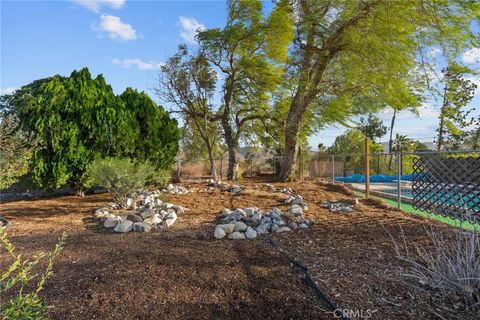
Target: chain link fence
<point x="440" y="183"/>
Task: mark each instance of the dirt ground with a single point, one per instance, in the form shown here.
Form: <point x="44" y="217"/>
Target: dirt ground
<point x="185" y="273"/>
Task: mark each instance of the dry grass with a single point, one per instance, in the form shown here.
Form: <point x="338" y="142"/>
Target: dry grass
<point x="448" y="265"/>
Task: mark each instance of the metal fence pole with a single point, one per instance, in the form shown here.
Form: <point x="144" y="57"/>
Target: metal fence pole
<point x="399" y="176"/>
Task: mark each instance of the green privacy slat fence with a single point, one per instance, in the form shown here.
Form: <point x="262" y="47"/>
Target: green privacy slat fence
<point x="448" y="185"/>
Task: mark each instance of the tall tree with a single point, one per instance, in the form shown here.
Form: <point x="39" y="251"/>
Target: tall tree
<point x="188" y="82"/>
<point x="359" y="51"/>
<point x="458" y="92"/>
<point x="248" y="53"/>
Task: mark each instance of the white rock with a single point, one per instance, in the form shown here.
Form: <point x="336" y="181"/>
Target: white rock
<point x="240" y="226"/>
<point x="289" y="200"/>
<point x="129" y="202"/>
<point x="263" y="228"/>
<point x="178" y="209"/>
<point x="283" y="229"/>
<point x="239" y="214"/>
<point x="141" y="227"/>
<point x="100" y="213"/>
<point x="156" y="219"/>
<point x="219" y="233"/>
<point x="226" y="212"/>
<point x="298" y="200"/>
<point x="303" y="226"/>
<point x="249" y="211"/>
<point x="111" y="222"/>
<point x="235" y="189"/>
<point x="170" y="219"/>
<point x="124" y="226"/>
<point x="147" y="213"/>
<point x="250" y="233"/>
<point x="257" y="216"/>
<point x="296" y="210"/>
<point x="236" y="236"/>
<point x="228" y="228"/>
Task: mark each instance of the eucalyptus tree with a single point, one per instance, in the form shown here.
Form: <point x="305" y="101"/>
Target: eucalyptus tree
<point x="454" y="118"/>
<point x="188" y="83"/>
<point x="354" y="55"/>
<point x="249" y="55"/>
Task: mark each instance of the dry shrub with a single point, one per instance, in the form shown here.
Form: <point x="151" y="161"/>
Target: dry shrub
<point x="448" y="267"/>
<point x="194" y="169"/>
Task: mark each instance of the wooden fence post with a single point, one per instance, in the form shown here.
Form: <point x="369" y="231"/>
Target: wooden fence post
<point x="367" y="168"/>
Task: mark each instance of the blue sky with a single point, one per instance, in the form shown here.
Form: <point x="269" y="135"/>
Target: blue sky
<point x="128" y="40"/>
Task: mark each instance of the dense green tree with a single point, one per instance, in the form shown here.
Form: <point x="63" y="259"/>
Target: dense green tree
<point x="454" y="118"/>
<point x="354" y="55"/>
<point x="372" y="127"/>
<point x="75" y="119"/>
<point x="248" y="53"/>
<point x="15" y="151"/>
<point x="154" y="134"/>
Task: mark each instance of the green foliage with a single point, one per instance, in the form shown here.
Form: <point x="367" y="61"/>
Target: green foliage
<point x="458" y="92"/>
<point x="250" y="53"/>
<point x="372" y="127"/>
<point x="15" y="151"/>
<point x="123" y="177"/>
<point x="25" y="305"/>
<point x="154" y="134"/>
<point x="74" y="119"/>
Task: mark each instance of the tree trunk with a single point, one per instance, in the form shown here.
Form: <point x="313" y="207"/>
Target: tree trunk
<point x="292" y="129"/>
<point x="390" y="141"/>
<point x="231" y="141"/>
<point x="213" y="172"/>
<point x="442" y="120"/>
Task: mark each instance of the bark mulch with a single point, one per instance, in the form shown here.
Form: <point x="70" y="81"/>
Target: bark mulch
<point x="184" y="273"/>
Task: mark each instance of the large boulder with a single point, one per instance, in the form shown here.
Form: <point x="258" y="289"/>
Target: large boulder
<point x="124" y="226"/>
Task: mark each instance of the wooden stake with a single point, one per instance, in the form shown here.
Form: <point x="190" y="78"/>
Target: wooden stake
<point x="367" y="168"/>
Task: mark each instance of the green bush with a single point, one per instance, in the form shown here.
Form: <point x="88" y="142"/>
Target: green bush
<point x="25" y="305"/>
<point x="123" y="177"/>
<point x="75" y="119"/>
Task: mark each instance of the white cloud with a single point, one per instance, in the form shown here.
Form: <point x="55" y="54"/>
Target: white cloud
<point x="140" y="64"/>
<point x="116" y="28"/>
<point x="425" y="111"/>
<point x="434" y="52"/>
<point x="190" y="26"/>
<point x="7" y="90"/>
<point x="471" y="56"/>
<point x="96" y="5"/>
<point x="476" y="80"/>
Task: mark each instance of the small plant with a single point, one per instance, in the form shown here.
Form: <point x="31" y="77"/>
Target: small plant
<point x="448" y="267"/>
<point x="123" y="177"/>
<point x="25" y="305"/>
